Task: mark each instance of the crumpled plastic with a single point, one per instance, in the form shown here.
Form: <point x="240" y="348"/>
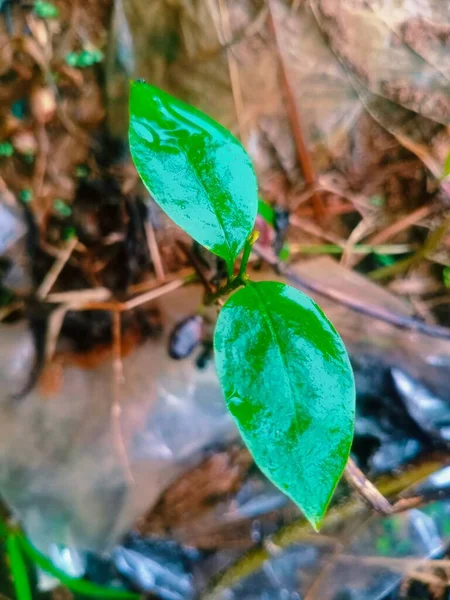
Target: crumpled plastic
<point x="373" y="556"/>
<point x="60" y="467"/>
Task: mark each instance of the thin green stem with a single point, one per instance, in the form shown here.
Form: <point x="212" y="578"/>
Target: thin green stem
<point x="247" y="251"/>
<point x="230" y="268"/>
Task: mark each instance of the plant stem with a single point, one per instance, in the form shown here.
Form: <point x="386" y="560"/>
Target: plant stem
<point x="241" y="278"/>
<point x="231" y="285"/>
<point x="252" y="238"/>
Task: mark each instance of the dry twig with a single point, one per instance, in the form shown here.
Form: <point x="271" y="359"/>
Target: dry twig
<point x="57" y="267"/>
<point x="154" y="251"/>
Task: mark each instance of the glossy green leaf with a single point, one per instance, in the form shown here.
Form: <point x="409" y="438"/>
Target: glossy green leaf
<point x="266" y="212"/>
<point x="289" y="385"/>
<point x="79" y="586"/>
<point x="18" y="568"/>
<point x="199" y="174"/>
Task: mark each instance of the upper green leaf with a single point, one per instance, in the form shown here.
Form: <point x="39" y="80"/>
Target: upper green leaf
<point x="199" y="174"/>
<point x="289" y="385"/>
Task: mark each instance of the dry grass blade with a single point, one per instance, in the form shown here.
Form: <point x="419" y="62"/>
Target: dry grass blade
<point x="400" y="225"/>
<point x="378" y="312"/>
<point x="79" y="297"/>
<point x="226" y="37"/>
<point x="303" y="154"/>
<point x="55" y="323"/>
<point x="431" y="244"/>
<point x="364" y="227"/>
<point x="313" y="229"/>
<point x="116" y="409"/>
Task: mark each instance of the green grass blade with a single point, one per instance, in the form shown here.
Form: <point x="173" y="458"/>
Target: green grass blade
<point x="79" y="586"/>
<point x="18" y="568"/>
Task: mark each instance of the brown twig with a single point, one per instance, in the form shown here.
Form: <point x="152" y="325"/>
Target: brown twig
<point x="97" y="299"/>
<point x="401" y="224"/>
<point x="313" y="229"/>
<point x="377" y="312"/>
<point x="303" y="154"/>
<point x="79" y="297"/>
<point x="365" y="488"/>
<point x="54" y="326"/>
<point x="154" y="252"/>
<point x="152" y="294"/>
<point x="55" y="270"/>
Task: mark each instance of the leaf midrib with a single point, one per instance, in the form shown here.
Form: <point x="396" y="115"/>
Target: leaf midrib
<point x="208" y="196"/>
<point x="280" y="353"/>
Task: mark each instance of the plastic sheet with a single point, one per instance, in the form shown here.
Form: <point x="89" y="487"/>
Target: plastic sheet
<point x="59" y="465"/>
<point x="157" y="566"/>
<point x="60" y="468"/>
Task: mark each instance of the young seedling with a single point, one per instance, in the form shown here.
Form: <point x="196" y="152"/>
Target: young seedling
<point x="283" y="368"/>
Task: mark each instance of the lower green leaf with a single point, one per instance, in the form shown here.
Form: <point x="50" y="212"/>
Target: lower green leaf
<point x="288" y="383"/>
<point x="18" y="568"/>
<point x="80" y="586"/>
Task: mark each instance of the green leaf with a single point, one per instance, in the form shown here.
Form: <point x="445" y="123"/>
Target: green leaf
<point x="45" y="10"/>
<point x="198" y="173"/>
<point x="85" y="58"/>
<point x="3" y="526"/>
<point x="18" y="568"/>
<point x="288" y="383"/>
<point x="446" y="172"/>
<point x="26" y="195"/>
<point x="79" y="586"/>
<point x="266" y="212"/>
<point x="6" y="149"/>
<point x="63" y="209"/>
<point x="446" y="277"/>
